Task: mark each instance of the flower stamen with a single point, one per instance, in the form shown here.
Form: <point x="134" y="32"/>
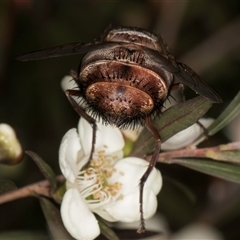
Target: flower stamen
<point x="93" y="181"/>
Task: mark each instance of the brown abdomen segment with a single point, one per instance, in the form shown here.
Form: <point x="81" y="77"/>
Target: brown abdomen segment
<point x="117" y="99"/>
<point x="125" y="74"/>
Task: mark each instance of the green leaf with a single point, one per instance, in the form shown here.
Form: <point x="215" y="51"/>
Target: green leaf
<point x="7" y="185"/>
<point x="58" y="194"/>
<point x="225" y="171"/>
<point x="172" y="121"/>
<point x="227" y="156"/>
<point x="54" y="220"/>
<point x="106" y="230"/>
<point x="232" y="110"/>
<point x="226" y="152"/>
<point x="45" y="169"/>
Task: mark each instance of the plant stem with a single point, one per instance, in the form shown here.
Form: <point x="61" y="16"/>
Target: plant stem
<point x="39" y="188"/>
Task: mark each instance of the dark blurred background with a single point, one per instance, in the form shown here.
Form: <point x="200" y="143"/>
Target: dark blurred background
<point x="203" y="34"/>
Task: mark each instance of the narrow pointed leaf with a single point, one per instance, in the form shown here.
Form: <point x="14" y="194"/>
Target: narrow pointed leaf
<point x="58" y="194"/>
<point x="106" y="230"/>
<point x="232" y="110"/>
<point x="227" y="152"/>
<point x="225" y="171"/>
<point x="172" y="121"/>
<point x="54" y="220"/>
<point x="7" y="185"/>
<point x="45" y="169"/>
<point x="227" y="156"/>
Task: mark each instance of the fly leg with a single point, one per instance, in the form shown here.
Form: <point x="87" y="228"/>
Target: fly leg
<point x="145" y="176"/>
<point x="70" y="94"/>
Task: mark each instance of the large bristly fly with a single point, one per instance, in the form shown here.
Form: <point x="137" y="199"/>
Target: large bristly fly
<point x="124" y="78"/>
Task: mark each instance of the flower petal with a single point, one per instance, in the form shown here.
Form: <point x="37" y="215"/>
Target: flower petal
<point x="157" y="223"/>
<point x="132" y="134"/>
<point x="107" y="137"/>
<point x="127" y="209"/>
<point x="77" y="218"/>
<point x="68" y="83"/>
<point x="69" y="153"/>
<point x="104" y="214"/>
<point x="186" y="136"/>
<point x="154" y="181"/>
<point x="129" y="172"/>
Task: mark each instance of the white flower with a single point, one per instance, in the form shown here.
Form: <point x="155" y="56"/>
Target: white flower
<point x="10" y="148"/>
<point x="132" y="134"/>
<point x="186" y="136"/>
<point x="68" y="83"/>
<point x="109" y="186"/>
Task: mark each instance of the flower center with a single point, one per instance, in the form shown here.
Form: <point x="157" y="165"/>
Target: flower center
<point x="93" y="182"/>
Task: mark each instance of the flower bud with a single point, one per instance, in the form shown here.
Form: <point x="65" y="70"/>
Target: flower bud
<point x="10" y="148"/>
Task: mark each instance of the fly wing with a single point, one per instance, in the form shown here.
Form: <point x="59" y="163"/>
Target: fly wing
<point x="187" y="76"/>
<point x="63" y="50"/>
<point x="162" y="61"/>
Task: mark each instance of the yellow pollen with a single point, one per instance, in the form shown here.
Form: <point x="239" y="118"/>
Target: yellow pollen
<point x="121" y="197"/>
<point x="100" y="170"/>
